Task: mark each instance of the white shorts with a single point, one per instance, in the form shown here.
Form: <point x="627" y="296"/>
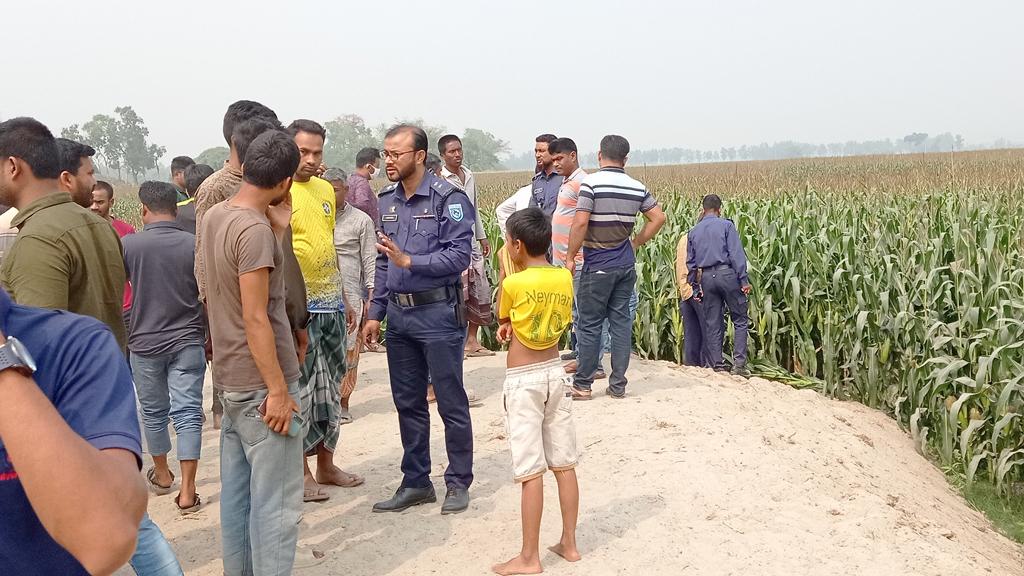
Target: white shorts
<point x="538" y="419"/>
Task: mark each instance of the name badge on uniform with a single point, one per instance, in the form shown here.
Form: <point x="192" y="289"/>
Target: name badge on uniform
<point x="389" y="217"/>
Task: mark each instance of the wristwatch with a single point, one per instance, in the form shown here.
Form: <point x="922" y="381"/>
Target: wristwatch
<point x="14" y="356"/>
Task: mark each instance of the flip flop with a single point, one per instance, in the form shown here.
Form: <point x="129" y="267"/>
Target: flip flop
<point x="191" y="509"/>
<point x="578" y="394"/>
<point x="155" y="486"/>
<point x="479" y="353"/>
<point x="345" y="417"/>
<point x="354" y="480"/>
<point x="314" y="496"/>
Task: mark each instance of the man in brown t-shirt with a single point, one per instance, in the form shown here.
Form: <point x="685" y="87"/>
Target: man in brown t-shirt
<point x="255" y="363"/>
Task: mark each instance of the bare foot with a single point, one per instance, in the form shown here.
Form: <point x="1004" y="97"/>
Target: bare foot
<point x="312" y="492"/>
<point x="570" y="553"/>
<point x="518" y="565"/>
<point x="337" y="477"/>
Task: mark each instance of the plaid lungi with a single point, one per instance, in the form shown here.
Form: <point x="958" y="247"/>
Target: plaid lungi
<point x="321" y="375"/>
<point x="477" y="292"/>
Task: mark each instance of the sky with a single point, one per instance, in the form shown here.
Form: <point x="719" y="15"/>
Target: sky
<point x="671" y="73"/>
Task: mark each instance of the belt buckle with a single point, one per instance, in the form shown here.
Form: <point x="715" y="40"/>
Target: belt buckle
<point x="405" y="300"/>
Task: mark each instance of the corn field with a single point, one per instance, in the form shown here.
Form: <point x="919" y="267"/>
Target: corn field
<point x="894" y="281"/>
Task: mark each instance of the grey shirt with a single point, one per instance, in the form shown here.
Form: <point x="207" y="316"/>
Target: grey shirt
<point x="166" y="315"/>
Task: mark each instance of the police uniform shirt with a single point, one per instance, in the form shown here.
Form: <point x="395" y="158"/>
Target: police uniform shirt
<point x="712" y="242"/>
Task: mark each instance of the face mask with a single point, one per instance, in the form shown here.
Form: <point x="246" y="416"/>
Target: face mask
<point x="374" y="172"/>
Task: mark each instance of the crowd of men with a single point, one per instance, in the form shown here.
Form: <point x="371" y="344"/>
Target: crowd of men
<point x="278" y="272"/>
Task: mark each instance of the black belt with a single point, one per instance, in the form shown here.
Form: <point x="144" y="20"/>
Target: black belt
<point x="717" y="267"/>
<point x="421" y="298"/>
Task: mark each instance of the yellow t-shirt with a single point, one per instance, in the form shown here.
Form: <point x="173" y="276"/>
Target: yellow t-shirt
<point x="538" y="301"/>
<point x="313" y="211"/>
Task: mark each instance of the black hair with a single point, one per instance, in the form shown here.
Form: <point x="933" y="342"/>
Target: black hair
<point x="271" y="158"/>
<point x="240" y="112"/>
<point x="31" y="142"/>
<point x="105" y="186"/>
<point x="179" y="163"/>
<point x="195" y="175"/>
<point x="159" y="197"/>
<point x="432" y="162"/>
<point x="309" y="127"/>
<point x="614" y="148"/>
<point x="445" y="140"/>
<point x="562" y="146"/>
<point x="546" y="138"/>
<point x="712" y="202"/>
<point x="419" y="137"/>
<point x="367" y="156"/>
<point x="71" y="154"/>
<point x="247" y="131"/>
<point x="532" y="228"/>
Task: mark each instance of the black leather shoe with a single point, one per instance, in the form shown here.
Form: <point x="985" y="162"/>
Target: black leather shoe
<point x="457" y="500"/>
<point x="406" y="498"/>
<point x="741" y="371"/>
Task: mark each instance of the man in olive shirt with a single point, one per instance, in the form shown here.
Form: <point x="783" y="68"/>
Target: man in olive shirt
<point x="65" y="257"/>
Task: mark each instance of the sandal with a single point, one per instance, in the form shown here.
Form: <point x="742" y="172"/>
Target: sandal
<point x="197" y="503"/>
<point x="345" y="417"/>
<point x="353" y="481"/>
<point x="155" y="486"/>
<point x="480" y="352"/>
<point x="317" y="495"/>
<point x="580" y="394"/>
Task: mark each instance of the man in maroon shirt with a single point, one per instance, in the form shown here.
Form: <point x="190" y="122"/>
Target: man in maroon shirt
<point x="360" y="194"/>
<point x="102" y="202"/>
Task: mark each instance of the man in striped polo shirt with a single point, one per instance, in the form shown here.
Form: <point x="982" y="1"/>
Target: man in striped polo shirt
<point x="609" y="202"/>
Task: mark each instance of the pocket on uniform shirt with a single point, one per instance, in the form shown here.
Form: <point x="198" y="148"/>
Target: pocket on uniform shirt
<point x="426" y="227"/>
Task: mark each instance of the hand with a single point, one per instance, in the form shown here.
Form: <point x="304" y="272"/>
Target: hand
<point x="301" y="344"/>
<point x="570" y="263"/>
<point x="371" y="333"/>
<point x="280" y="408"/>
<point x="387" y="247"/>
<point x="633" y="243"/>
<point x="485" y="247"/>
<point x="320" y="171"/>
<point x="280" y="216"/>
<point x="745" y="289"/>
<point x="209" y="349"/>
<point x="505" y="332"/>
<point x="350" y="319"/>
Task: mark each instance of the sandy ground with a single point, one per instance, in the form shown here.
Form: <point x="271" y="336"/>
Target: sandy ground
<point x="693" y="473"/>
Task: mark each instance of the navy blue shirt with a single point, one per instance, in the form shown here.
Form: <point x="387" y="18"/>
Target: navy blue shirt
<point x="434" y="227"/>
<point x="83" y="372"/>
<point x="712" y="242"/>
<point x="545" y="191"/>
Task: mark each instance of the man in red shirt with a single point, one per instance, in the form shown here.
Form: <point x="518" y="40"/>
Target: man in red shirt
<point x="102" y="202"/>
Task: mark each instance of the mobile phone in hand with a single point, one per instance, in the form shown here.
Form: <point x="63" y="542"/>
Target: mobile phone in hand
<point x="293" y="429"/>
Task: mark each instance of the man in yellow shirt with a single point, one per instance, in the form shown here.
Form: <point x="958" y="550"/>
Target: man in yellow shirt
<point x="313" y="210"/>
<point x="535" y="309"/>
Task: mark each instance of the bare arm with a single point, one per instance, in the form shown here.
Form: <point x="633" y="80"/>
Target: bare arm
<point x="94" y="505"/>
<point x="580" y="224"/>
<point x="654" y="220"/>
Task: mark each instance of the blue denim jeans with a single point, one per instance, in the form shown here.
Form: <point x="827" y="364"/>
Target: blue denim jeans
<point x="606" y="341"/>
<point x="261" y="489"/>
<point x="170" y="389"/>
<point x="605" y="295"/>
<point x="153" y="554"/>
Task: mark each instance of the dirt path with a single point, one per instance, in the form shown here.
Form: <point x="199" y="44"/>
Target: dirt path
<point x="692" y="474"/>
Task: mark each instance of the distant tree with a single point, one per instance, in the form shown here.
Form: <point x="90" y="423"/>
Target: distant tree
<point x="215" y="157"/>
<point x="915" y="139"/>
<point x="433" y="132"/>
<point x="72" y="133"/>
<point x="139" y="155"/>
<point x="346" y="136"/>
<point x="103" y="134"/>
<point x="481" y="150"/>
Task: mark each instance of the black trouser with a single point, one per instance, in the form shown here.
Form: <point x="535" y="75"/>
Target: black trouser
<point x="695" y="350"/>
<point x="722" y="289"/>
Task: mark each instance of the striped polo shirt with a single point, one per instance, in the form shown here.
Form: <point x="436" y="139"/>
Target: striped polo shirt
<point x="614" y="200"/>
<point x="561" y="220"/>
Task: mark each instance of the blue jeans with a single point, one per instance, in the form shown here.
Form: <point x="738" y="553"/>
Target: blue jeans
<point x="261" y="489"/>
<point x="153" y="554"/>
<point x="605" y="295"/>
<point x="170" y="389"/>
<point x="606" y="342"/>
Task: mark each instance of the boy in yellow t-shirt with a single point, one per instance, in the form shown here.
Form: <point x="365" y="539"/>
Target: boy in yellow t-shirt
<point x="535" y="309"/>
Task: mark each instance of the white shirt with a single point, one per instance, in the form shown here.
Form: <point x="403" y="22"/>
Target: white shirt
<point x="516" y="202"/>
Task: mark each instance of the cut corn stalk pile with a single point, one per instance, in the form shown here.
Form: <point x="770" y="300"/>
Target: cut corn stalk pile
<point x="894" y="281"/>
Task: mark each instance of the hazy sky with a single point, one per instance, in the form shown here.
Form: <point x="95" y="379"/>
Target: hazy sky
<point x="672" y="73"/>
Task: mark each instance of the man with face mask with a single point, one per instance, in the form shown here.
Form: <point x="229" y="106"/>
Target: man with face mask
<point x="360" y="195"/>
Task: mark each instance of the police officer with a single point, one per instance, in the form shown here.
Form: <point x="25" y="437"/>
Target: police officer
<point x="425" y="239"/>
<point x="717" y="270"/>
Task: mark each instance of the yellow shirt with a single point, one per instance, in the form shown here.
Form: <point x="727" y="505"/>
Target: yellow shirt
<point x="313" y="211"/>
<point x="685" y="290"/>
<point x="538" y="301"/>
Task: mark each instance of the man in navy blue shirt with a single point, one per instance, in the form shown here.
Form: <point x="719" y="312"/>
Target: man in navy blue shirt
<point x="547" y="181"/>
<point x="426" y="242"/>
<point x="77" y="408"/>
<point x="717" y="266"/>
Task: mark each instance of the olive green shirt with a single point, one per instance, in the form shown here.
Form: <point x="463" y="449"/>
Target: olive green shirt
<point x="66" y="258"/>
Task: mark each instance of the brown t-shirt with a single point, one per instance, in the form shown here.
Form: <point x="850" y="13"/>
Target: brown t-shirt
<point x="240" y="240"/>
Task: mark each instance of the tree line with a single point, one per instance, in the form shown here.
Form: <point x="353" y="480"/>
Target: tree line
<point x="121" y="142"/>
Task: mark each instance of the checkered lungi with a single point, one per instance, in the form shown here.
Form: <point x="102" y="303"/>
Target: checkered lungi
<point x="477" y="292"/>
<point x="321" y="376"/>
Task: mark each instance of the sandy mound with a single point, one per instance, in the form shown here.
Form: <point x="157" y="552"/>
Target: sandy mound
<point x="693" y="473"/>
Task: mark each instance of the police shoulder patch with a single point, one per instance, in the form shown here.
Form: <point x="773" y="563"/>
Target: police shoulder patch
<point x="388" y="189"/>
<point x="455" y="211"/>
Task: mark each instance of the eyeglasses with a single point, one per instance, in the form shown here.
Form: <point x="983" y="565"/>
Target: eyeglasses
<point x="393" y="156"/>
